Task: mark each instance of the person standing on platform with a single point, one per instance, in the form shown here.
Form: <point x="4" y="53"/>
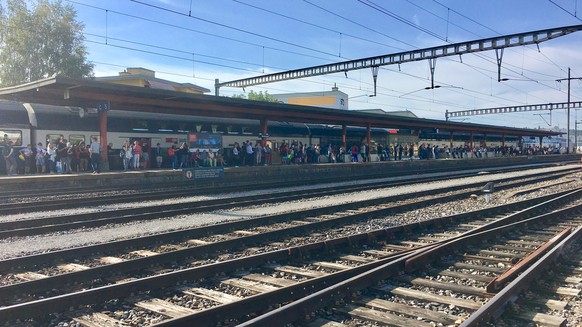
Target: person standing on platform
<point x="258" y="153"/>
<point x="145" y="155"/>
<point x="52" y="157"/>
<point x="219" y="158"/>
<point x="267" y="154"/>
<point x="40" y="159"/>
<point x="83" y="157"/>
<point x="66" y="158"/>
<point x="159" y="155"/>
<point x="236" y="154"/>
<point x="211" y="159"/>
<point x="136" y="154"/>
<point x="364" y="152"/>
<point x="61" y="152"/>
<point x="183" y="152"/>
<point x="10" y="157"/>
<point x="173" y="154"/>
<point x="354" y="152"/>
<point x="95" y="151"/>
<point x="27" y="154"/>
<point x="125" y="155"/>
<point x="250" y="154"/>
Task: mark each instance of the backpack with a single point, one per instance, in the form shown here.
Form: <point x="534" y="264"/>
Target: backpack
<point x="121" y="153"/>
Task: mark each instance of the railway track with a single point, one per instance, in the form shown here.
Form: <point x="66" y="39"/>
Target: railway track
<point x="151" y="288"/>
<point x="547" y="293"/>
<point x="443" y="284"/>
<point x="97" y="191"/>
<point x="15" y="202"/>
<point x="101" y="217"/>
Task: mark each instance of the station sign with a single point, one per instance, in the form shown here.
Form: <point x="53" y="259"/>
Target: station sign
<point x="103" y="106"/>
<point x="202" y="144"/>
<point x="203" y="173"/>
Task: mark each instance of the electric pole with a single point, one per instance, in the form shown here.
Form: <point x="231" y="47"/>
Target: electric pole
<point x="568" y="112"/>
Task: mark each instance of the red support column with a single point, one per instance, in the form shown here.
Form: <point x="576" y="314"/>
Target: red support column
<point x="344" y="132"/>
<point x="503" y="140"/>
<point x="103" y="134"/>
<point x="471" y="146"/>
<point x="264" y="131"/>
<point x="369" y="136"/>
<point x="451" y="139"/>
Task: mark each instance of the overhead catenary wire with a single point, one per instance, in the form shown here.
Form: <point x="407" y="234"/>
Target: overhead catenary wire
<point x="243" y="63"/>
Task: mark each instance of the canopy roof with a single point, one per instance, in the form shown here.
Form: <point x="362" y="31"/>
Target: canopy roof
<point x="89" y="93"/>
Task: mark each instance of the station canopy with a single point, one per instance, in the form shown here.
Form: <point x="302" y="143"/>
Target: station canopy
<point x="90" y="93"/>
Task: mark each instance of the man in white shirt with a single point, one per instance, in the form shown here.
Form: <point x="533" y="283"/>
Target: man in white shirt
<point x="95" y="151"/>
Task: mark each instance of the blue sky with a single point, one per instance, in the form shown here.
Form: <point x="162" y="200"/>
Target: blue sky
<point x="199" y="41"/>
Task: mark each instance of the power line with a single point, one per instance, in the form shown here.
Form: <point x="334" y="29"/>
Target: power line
<point x="238" y="68"/>
<point x="234" y="28"/>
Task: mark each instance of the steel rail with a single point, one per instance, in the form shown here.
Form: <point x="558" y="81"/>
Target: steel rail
<point x="105" y="217"/>
<point x="70" y="254"/>
<point x="189" y="190"/>
<point x="45" y="306"/>
<point x="496" y="305"/>
<point x="298" y="310"/>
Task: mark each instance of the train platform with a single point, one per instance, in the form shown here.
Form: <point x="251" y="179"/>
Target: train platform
<point x="272" y="174"/>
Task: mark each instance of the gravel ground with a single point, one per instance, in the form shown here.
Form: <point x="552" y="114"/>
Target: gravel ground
<point x="19" y="246"/>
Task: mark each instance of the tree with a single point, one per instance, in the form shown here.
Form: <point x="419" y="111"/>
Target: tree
<point x="257" y="96"/>
<point x="40" y="43"/>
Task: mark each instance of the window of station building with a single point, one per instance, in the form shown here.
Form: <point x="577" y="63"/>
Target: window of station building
<point x="76" y="139"/>
<point x="11" y="135"/>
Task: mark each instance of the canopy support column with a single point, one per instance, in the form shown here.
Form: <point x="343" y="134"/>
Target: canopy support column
<point x="369" y="139"/>
<point x="344" y="132"/>
<point x="103" y="135"/>
<point x="264" y="131"/>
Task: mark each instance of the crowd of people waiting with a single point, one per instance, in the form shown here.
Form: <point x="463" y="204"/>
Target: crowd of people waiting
<point x="59" y="156"/>
<point x="64" y="157"/>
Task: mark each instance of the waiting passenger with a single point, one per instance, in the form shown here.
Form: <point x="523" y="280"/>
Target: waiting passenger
<point x="95" y="151"/>
<point x="39" y="158"/>
<point x="52" y="157"/>
<point x="267" y="150"/>
<point x="158" y="153"/>
<point x="66" y="158"/>
<point x="236" y="151"/>
<point x="219" y="158"/>
<point x="258" y="153"/>
<point x="183" y="152"/>
<point x="27" y="155"/>
<point x="354" y="152"/>
<point x="136" y="150"/>
<point x="127" y="156"/>
<point x="83" y="157"/>
<point x="196" y="160"/>
<point x="145" y="155"/>
<point x="9" y="157"/>
<point x="204" y="158"/>
<point x="211" y="159"/>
